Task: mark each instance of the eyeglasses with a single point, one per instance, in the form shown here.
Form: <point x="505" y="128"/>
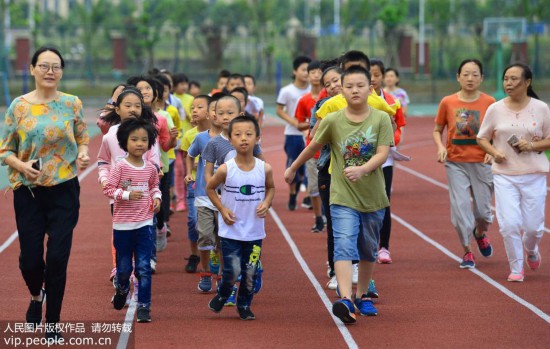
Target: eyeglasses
<point x="45" y="67"/>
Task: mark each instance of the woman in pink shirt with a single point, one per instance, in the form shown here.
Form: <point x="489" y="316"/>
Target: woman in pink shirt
<point x="519" y="126"/>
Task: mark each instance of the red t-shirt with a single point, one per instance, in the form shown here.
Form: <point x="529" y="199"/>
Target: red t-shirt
<point x="303" y="114"/>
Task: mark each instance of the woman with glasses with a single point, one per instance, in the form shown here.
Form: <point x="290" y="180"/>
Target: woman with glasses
<point x="44" y="142"/>
<point x="519" y="127"/>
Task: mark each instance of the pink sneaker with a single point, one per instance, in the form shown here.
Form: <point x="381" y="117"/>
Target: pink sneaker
<point x="180" y="207"/>
<point x="516" y="277"/>
<point x="384" y="256"/>
<point x="533" y="261"/>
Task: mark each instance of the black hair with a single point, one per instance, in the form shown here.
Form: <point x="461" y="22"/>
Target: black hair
<point x="231" y="98"/>
<point x="215" y="97"/>
<point x="468" y="60"/>
<point x="134" y="80"/>
<point x="43" y="49"/>
<point x="354" y="56"/>
<point x="298" y="61"/>
<point x="396" y="72"/>
<point x="244" y="118"/>
<point x="379" y="64"/>
<point x="356" y="69"/>
<point x="179" y="77"/>
<point x="130" y="125"/>
<point x="224" y="74"/>
<point x="526" y="74"/>
<point x="251" y="77"/>
<point x="194" y="83"/>
<point x="329" y="63"/>
<point x="163" y="80"/>
<point x="117" y="86"/>
<point x="329" y="69"/>
<point x="112" y="118"/>
<point x="207" y="98"/>
<point x="235" y="76"/>
<point x="243" y="91"/>
<point x="313" y="65"/>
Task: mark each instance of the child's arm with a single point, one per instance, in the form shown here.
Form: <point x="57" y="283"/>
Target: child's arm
<point x="264" y="206"/>
<point x="280" y="111"/>
<point x="305" y="155"/>
<point x="219" y="178"/>
<point x="353" y="173"/>
<point x="154" y="191"/>
<point x="103" y="163"/>
<point x="189" y="161"/>
<point x="208" y="171"/>
<point x="112" y="188"/>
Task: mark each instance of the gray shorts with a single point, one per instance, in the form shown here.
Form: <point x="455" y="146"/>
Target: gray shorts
<point x="207" y="228"/>
<point x="312" y="177"/>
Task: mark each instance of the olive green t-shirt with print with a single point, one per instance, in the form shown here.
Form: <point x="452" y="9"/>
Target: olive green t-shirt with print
<point x="354" y="144"/>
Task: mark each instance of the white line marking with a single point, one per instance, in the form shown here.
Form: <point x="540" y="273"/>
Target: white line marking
<point x="13" y="236"/>
<point x="328" y="304"/>
<point x="129" y="321"/>
<point x="437" y="183"/>
<point x="484" y="276"/>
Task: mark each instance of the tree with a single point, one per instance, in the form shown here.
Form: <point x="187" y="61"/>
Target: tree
<point x="392" y="14"/>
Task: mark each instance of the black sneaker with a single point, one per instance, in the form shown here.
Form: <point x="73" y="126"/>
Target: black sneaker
<point x="319" y="225"/>
<point x="143" y="314"/>
<point x="292" y="202"/>
<point x="216" y="304"/>
<point x="34" y="312"/>
<point x="192" y="263"/>
<point x="306" y="203"/>
<point x="53" y="334"/>
<point x="119" y="299"/>
<point x="245" y="313"/>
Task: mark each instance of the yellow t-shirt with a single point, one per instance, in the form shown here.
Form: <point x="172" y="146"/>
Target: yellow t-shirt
<point x="188" y="138"/>
<point x="187" y="101"/>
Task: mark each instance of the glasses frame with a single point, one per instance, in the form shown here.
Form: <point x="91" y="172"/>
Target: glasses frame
<point x="45" y="67"/>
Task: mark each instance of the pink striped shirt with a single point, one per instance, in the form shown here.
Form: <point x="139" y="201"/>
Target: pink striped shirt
<point x="124" y="178"/>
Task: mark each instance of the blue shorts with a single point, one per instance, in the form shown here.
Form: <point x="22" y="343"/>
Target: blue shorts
<point x="356" y="234"/>
<point x="294" y="145"/>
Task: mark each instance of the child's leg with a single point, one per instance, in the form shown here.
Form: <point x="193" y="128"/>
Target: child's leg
<point x="123" y="241"/>
<point x="192" y="234"/>
<point x="251" y="252"/>
<point x="345" y="224"/>
<point x="367" y="245"/>
<point x="181" y="188"/>
<point x="385" y="231"/>
<point x="324" y="192"/>
<point x="207" y="220"/>
<point x="232" y="254"/>
<point x="142" y="250"/>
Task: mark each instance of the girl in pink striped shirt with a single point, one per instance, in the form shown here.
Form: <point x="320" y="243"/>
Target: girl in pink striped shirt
<point x="133" y="184"/>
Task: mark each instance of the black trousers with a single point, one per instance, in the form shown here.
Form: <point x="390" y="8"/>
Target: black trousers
<point x="323" y="180"/>
<point x="40" y="211"/>
<point x="385" y="231"/>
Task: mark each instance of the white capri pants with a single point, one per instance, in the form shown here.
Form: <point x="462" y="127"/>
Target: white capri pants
<point x="520" y="202"/>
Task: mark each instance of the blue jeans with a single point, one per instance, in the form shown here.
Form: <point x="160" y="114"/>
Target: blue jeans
<point x="137" y="243"/>
<point x="192" y="233"/>
<point x="294" y="144"/>
<point x="356" y="234"/>
<point x="239" y="258"/>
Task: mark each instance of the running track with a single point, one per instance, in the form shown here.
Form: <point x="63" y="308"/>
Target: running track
<point x="425" y="301"/>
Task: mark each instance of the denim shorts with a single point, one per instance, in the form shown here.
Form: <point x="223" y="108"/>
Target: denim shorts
<point x="294" y="145"/>
<point x="356" y="234"/>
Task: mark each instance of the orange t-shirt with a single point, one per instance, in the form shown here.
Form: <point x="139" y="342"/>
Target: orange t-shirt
<point x="463" y="120"/>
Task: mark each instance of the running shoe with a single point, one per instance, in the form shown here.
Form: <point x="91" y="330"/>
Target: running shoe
<point x="292" y="202"/>
<point x="306" y="203"/>
<point x="119" y="299"/>
<point x="232" y="300"/>
<point x="384" y="256"/>
<point x="344" y="310"/>
<point x="372" y="292"/>
<point x="143" y="314"/>
<point x="468" y="261"/>
<point x="153" y="266"/>
<point x="534" y="261"/>
<point x="319" y="226"/>
<point x="484" y="245"/>
<point x="205" y="282"/>
<point x="192" y="264"/>
<point x="245" y="313"/>
<point x="333" y="283"/>
<point x="216" y="304"/>
<point x="516" y="277"/>
<point x="365" y="306"/>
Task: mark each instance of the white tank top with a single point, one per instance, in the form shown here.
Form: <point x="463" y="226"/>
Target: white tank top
<point x="242" y="192"/>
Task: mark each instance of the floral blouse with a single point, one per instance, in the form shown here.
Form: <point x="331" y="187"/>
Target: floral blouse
<point x="51" y="131"/>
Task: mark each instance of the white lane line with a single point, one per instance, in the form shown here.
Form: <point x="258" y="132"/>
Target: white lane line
<point x="348" y="338"/>
<point x="128" y="321"/>
<point x="13" y="235"/>
<point x="483" y="276"/>
<point x="437" y="183"/>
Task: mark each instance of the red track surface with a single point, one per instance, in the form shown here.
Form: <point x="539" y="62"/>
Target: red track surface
<point x="425" y="299"/>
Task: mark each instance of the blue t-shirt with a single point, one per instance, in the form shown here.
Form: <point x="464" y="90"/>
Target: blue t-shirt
<point x="196" y="149"/>
<point x="219" y="150"/>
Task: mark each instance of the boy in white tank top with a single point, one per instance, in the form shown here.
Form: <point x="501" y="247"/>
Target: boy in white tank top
<point x="247" y="193"/>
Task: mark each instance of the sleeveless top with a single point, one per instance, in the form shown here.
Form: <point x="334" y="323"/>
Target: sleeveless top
<point x="242" y="192"/>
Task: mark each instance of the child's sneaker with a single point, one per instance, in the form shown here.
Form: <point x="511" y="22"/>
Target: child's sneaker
<point x="344" y="310"/>
<point x="333" y="283"/>
<point x="259" y="280"/>
<point x="468" y="261"/>
<point x="205" y="282"/>
<point x="516" y="277"/>
<point x="232" y="300"/>
<point x="168" y="230"/>
<point x="153" y="266"/>
<point x="372" y="292"/>
<point x="112" y="275"/>
<point x="214" y="262"/>
<point x="181" y="206"/>
<point x="306" y="203"/>
<point x="245" y="313"/>
<point x="355" y="275"/>
<point x="192" y="264"/>
<point x="533" y="261"/>
<point x="319" y="226"/>
<point x="216" y="304"/>
<point x="384" y="256"/>
<point x="119" y="299"/>
<point x="161" y="239"/>
<point x="365" y="306"/>
<point x="483" y="244"/>
<point x="143" y="314"/>
<point x="292" y="202"/>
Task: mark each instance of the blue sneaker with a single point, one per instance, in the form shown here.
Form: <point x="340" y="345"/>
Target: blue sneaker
<point x="232" y="300"/>
<point x="214" y="262"/>
<point x="365" y="306"/>
<point x="344" y="310"/>
<point x="259" y="281"/>
<point x="372" y="292"/>
<point x="205" y="282"/>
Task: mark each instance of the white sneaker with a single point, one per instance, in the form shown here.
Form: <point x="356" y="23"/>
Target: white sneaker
<point x="161" y="239"/>
<point x="303" y="188"/>
<point x="355" y="276"/>
<point x="153" y="266"/>
<point x="328" y="270"/>
<point x="332" y="284"/>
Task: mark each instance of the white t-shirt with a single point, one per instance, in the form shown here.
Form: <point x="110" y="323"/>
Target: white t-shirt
<point x="255" y="105"/>
<point x="289" y="97"/>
